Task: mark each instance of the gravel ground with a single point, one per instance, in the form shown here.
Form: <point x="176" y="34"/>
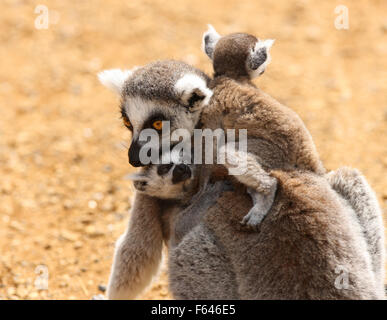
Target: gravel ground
<point x="63" y="193"/>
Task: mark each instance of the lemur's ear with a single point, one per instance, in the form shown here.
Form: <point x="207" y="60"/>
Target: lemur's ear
<point x="210" y="38"/>
<point x="193" y="91"/>
<point x="114" y="79"/>
<point x="259" y="57"/>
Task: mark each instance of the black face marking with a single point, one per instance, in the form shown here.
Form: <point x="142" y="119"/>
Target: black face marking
<point x="154" y="117"/>
<point x="194" y="98"/>
<point x="163" y="169"/>
<point x="207" y="48"/>
<point x="140" y="185"/>
<point x="133" y="154"/>
<point x="125" y="118"/>
<point x="258" y="58"/>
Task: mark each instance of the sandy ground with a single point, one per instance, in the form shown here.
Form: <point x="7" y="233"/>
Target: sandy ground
<point x="63" y="193"/>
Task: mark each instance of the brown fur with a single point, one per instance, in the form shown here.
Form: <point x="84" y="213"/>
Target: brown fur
<point x="231" y="54"/>
<point x="213" y="258"/>
<point x="307" y="235"/>
<point x="276" y="136"/>
<point x="274" y="131"/>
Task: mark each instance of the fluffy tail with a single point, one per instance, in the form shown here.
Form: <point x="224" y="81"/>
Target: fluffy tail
<point x="354" y="188"/>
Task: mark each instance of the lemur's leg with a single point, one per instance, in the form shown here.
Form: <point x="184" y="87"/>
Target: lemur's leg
<point x="353" y="187"/>
<point x="138" y="251"/>
<point x="262" y="187"/>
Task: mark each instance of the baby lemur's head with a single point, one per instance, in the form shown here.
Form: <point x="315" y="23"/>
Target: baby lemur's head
<point x="238" y="55"/>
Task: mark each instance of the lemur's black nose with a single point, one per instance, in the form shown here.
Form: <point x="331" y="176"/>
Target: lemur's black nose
<point x="134" y="155"/>
<point x="180" y="173"/>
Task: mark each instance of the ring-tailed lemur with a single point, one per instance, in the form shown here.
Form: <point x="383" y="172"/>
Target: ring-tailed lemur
<point x="159" y="100"/>
<point x="148" y="96"/>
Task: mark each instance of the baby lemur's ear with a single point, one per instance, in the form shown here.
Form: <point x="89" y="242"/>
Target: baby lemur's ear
<point x="114" y="79"/>
<point x="210" y="38"/>
<point x="259" y="57"/>
<point x="193" y="91"/>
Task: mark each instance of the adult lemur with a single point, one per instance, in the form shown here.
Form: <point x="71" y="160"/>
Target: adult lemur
<point x="156" y="92"/>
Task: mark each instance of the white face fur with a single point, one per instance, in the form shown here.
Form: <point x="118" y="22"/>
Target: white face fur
<point x="189" y="95"/>
<point x="139" y="110"/>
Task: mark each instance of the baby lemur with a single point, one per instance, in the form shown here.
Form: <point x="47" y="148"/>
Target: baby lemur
<point x="277" y="137"/>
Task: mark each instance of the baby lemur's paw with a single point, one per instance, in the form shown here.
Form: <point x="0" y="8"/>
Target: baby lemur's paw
<point x="253" y="219"/>
<point x="262" y="204"/>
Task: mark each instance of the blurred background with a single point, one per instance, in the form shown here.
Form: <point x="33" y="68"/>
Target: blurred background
<point x="64" y="195"/>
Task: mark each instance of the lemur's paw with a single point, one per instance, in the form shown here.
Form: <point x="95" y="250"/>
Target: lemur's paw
<point x="253" y="219"/>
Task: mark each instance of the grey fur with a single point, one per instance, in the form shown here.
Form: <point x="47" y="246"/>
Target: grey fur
<point x="138" y="253"/>
<point x="234" y="263"/>
<point x="354" y="188"/>
<point x="156" y="80"/>
<point x="212" y="258"/>
<point x="309" y="235"/>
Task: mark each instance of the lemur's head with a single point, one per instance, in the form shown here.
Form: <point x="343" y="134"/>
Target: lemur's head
<point x="238" y="55"/>
<point x="161" y="91"/>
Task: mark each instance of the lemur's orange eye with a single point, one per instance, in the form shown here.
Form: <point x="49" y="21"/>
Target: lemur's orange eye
<point x="158" y="125"/>
<point x="127" y="123"/>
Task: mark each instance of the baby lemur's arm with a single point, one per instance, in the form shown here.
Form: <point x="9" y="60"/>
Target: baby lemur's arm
<point x="138" y="251"/>
<point x="261" y="186"/>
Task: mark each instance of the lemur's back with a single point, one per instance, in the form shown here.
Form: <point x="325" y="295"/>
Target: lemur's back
<point x="279" y="129"/>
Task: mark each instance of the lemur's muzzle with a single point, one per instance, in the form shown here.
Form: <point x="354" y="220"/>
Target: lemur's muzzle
<point x="134" y="155"/>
